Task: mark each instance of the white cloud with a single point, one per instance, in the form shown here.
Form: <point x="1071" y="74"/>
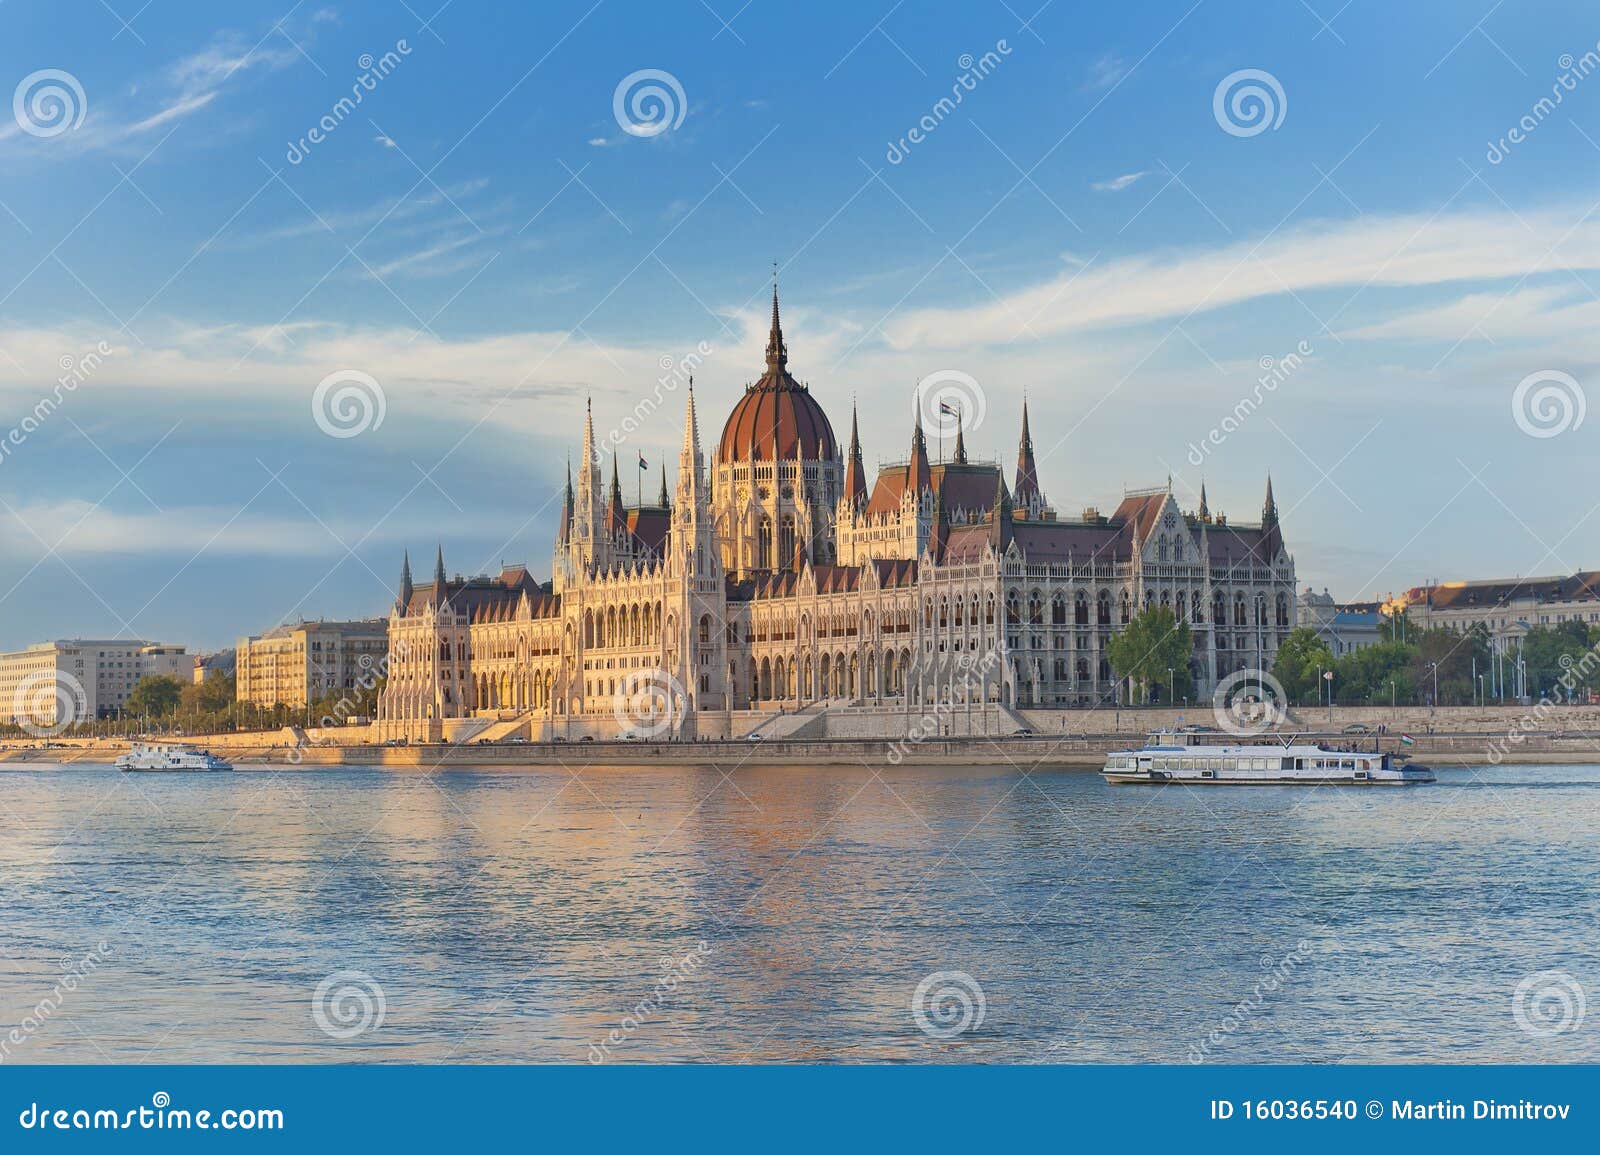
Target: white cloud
<point x="1117" y="184"/>
<point x="1409" y="250"/>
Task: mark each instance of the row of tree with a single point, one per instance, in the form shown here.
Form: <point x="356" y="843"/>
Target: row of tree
<point x="1441" y="666"/>
<point x="1413" y="666"/>
<point x="165" y="703"/>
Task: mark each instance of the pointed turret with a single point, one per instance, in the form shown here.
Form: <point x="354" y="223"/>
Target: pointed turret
<point x="1205" y="509"/>
<point x="661" y="499"/>
<point x="1000" y="514"/>
<point x="404" y="598"/>
<point x="855" y="475"/>
<point x="919" y="474"/>
<point x="1027" y="488"/>
<point x="1269" y="508"/>
<point x="614" y="513"/>
<point x="1271" y="531"/>
<point x="564" y="532"/>
<point x="777" y="351"/>
<point x="440" y="584"/>
<point x="961" y="443"/>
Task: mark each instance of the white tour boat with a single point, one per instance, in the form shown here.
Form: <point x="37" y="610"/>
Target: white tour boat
<point x="170" y="760"/>
<point x="1183" y="757"/>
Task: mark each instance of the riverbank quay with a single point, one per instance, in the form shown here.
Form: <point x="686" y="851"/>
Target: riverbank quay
<point x="1087" y="751"/>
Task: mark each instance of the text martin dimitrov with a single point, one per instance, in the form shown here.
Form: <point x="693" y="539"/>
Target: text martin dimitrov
<point x="1480" y="1109"/>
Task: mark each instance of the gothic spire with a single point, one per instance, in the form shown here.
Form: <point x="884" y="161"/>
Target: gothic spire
<point x="662" y="499"/>
<point x="855" y="478"/>
<point x="405" y="581"/>
<point x="919" y="475"/>
<point x="1269" y="508"/>
<point x="961" y="444"/>
<point x="1205" y="510"/>
<point x="777" y="351"/>
<point x="439" y="583"/>
<point x="614" y="512"/>
<point x="564" y="534"/>
<point x="1027" y="487"/>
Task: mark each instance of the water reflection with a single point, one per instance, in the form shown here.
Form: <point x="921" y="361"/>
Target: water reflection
<point x="531" y="915"/>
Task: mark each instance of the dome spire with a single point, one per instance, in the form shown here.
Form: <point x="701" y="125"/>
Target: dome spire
<point x="777" y="351"/>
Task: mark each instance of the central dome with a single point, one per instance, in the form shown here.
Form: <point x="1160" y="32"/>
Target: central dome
<point x="777" y="419"/>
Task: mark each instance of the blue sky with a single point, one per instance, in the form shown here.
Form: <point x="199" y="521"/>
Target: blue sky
<point x="485" y="240"/>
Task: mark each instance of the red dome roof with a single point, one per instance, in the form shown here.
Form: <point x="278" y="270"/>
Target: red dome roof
<point x="777" y="419"/>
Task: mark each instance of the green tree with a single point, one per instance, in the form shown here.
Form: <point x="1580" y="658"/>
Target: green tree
<point x="1302" y="657"/>
<point x="155" y="696"/>
<point x="1380" y="673"/>
<point x="1148" y="647"/>
<point x="1452" y="655"/>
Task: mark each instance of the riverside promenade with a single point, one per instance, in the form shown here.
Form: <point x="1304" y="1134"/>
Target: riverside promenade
<point x="1459" y="736"/>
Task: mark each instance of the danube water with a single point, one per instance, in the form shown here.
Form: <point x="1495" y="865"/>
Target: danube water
<point x="581" y="914"/>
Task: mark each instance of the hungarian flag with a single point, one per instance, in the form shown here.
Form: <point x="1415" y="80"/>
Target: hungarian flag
<point x="947" y="410"/>
<point x="643" y="464"/>
<point x="1407" y="740"/>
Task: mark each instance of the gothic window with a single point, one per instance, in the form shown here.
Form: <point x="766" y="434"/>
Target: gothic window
<point x="705" y="629"/>
<point x="1127" y="611"/>
<point x="1013" y="612"/>
<point x="1103" y="608"/>
<point x="1035" y="608"/>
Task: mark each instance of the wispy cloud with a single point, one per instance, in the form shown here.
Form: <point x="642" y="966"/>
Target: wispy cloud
<point x="1409" y="250"/>
<point x="1107" y="69"/>
<point x="1117" y="184"/>
<point x="183" y="88"/>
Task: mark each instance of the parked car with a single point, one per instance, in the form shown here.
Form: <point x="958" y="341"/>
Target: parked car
<point x="1022" y="732"/>
<point x="1358" y="728"/>
<point x="756" y="736"/>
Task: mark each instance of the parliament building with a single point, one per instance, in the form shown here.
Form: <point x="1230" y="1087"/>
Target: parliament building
<point x="778" y="590"/>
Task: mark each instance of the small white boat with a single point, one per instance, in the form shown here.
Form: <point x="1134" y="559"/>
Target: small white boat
<point x="1182" y="758"/>
<point x="170" y="760"/>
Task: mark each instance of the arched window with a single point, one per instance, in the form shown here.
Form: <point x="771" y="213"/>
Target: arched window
<point x="705" y="629"/>
<point x="1103" y="614"/>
